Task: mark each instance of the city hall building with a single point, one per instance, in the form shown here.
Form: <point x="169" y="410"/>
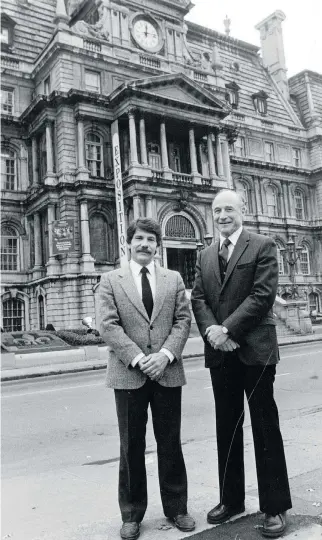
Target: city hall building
<point x="195" y="110"/>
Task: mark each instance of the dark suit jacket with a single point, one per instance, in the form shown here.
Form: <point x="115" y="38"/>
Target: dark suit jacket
<point x="243" y="302"/>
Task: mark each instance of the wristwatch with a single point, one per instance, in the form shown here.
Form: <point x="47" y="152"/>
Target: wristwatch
<point x="224" y="330"/>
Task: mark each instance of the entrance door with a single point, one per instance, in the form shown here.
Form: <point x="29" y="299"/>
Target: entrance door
<point x="184" y="262"/>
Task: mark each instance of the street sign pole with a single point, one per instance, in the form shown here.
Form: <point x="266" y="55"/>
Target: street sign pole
<point x="119" y="195"/>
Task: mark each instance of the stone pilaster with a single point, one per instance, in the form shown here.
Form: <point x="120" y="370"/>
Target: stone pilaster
<point x="226" y="163"/>
<point x="148" y="206"/>
<point x="211" y="157"/>
<point x="82" y="172"/>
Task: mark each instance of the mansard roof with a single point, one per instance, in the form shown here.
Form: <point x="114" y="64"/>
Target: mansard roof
<point x="176" y="89"/>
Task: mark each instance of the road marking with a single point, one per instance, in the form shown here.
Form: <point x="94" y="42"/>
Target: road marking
<point x="299" y="355"/>
<point x="282" y="374"/>
<point x="50" y="390"/>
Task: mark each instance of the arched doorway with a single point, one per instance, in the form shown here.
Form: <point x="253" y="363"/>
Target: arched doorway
<point x="179" y="246"/>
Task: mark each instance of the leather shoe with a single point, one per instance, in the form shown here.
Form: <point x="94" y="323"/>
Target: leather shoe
<point x="130" y="530"/>
<point x="274" y="526"/>
<point x="184" y="522"/>
<point x="223" y="512"/>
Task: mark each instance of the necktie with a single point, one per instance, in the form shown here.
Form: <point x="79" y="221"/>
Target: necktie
<point x="223" y="258"/>
<point x="147" y="297"/>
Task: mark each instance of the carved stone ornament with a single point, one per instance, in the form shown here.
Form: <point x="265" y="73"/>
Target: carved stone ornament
<point x="98" y="30"/>
<point x="183" y="197"/>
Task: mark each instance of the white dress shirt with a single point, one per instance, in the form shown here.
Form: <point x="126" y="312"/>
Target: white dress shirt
<point x="233" y="239"/>
<point x="137" y="276"/>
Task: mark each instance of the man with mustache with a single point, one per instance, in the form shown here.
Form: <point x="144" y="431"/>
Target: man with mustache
<point x="232" y="299"/>
<point x="145" y="319"/>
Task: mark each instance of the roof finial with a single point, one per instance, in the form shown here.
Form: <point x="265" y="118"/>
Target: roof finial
<point x="61" y="16"/>
<point x="227" y="23"/>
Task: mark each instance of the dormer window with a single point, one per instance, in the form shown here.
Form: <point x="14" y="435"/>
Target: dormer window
<point x="232" y="94"/>
<point x="260" y="102"/>
<point x="7" y="31"/>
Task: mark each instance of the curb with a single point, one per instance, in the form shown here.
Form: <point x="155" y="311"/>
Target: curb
<point x="93" y="364"/>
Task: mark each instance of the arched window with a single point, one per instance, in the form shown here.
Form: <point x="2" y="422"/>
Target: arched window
<point x="41" y="312"/>
<point x="179" y="227"/>
<point x="8" y="169"/>
<point x="280" y="259"/>
<point x="271" y="201"/>
<point x="13" y="315"/>
<point x="94" y="154"/>
<point x="9" y="249"/>
<point x="305" y="260"/>
<point x="299" y="204"/>
<point x="243" y="189"/>
<point x="98" y="231"/>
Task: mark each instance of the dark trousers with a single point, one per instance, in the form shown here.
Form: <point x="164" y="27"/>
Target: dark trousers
<point x="132" y="412"/>
<point x="230" y="381"/>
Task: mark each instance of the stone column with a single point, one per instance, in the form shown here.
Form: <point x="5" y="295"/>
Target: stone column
<point x="259" y="209"/>
<point x="86" y="245"/>
<point x="34" y="152"/>
<point x="285" y="200"/>
<point x="80" y="143"/>
<point x="211" y="157"/>
<point x="53" y="266"/>
<point x="49" y="149"/>
<point x="226" y="163"/>
<point x="133" y="144"/>
<point x="164" y="148"/>
<point x="148" y="206"/>
<point x="193" y="153"/>
<point x="136" y="206"/>
<point x="144" y="154"/>
<point x="37" y="241"/>
<point x="87" y="261"/>
<point x="220" y="168"/>
<point x="291" y="201"/>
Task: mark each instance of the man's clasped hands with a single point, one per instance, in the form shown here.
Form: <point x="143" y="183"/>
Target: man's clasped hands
<point x="219" y="340"/>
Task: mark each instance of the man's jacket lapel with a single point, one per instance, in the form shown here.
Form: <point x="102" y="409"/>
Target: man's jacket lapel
<point x="215" y="260"/>
<point x="161" y="291"/>
<point x="242" y="244"/>
<point x="129" y="287"/>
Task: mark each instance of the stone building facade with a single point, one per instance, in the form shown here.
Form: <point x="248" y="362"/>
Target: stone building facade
<point x="196" y="111"/>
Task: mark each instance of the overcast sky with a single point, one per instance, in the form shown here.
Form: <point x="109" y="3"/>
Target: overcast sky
<point x="302" y="28"/>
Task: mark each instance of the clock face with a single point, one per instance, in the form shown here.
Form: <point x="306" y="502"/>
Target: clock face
<point x="146" y="34"/>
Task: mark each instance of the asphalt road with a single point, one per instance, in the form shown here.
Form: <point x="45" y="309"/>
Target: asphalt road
<point x="60" y="447"/>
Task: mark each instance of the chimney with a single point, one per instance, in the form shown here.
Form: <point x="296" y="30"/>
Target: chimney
<point x="272" y="46"/>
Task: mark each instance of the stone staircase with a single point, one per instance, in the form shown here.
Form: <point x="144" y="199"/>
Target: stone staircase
<point x="283" y="330"/>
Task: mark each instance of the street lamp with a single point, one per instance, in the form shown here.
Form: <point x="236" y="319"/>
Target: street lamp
<point x="292" y="254"/>
<point x="199" y="245"/>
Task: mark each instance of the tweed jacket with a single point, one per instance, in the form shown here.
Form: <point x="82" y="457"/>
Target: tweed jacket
<point x="243" y="302"/>
<point x="127" y="330"/>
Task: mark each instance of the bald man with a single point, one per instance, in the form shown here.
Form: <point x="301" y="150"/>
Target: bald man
<point x="232" y="300"/>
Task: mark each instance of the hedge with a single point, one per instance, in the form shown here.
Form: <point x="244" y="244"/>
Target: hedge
<point x="79" y="336"/>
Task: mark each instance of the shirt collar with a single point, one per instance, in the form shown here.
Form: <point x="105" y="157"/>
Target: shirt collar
<point x="136" y="267"/>
<point x="233" y="237"/>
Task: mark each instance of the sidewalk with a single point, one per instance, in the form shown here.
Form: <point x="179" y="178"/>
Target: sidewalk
<point x="22" y="366"/>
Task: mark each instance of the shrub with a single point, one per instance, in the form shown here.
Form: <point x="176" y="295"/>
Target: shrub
<point x="79" y="336"/>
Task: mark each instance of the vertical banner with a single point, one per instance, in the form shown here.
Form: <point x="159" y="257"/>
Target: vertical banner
<point x="119" y="194"/>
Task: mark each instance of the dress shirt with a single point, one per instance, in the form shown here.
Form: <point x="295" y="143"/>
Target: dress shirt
<point x="137" y="276"/>
<point x="233" y="241"/>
